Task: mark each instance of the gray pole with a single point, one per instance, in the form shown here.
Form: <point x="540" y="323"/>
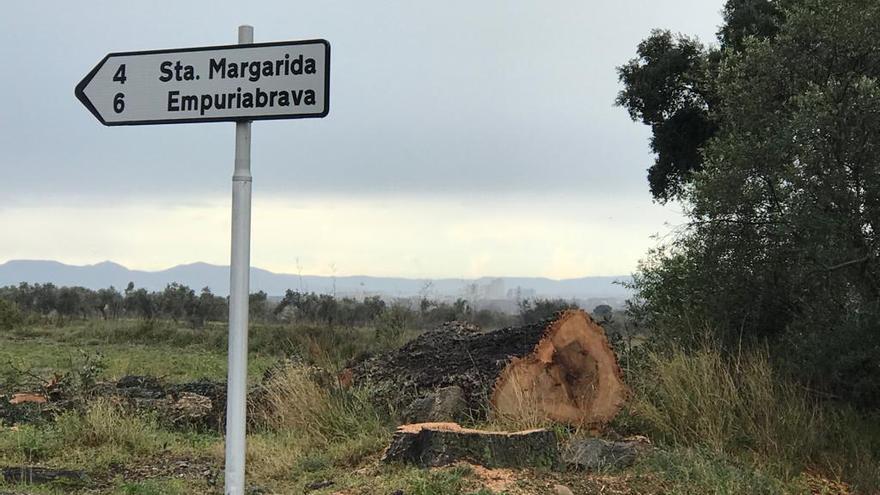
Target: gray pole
<point x="239" y="291"/>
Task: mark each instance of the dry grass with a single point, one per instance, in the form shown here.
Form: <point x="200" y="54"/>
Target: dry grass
<point x="739" y="405"/>
<point x="293" y="400"/>
<point x="524" y="413"/>
<point x="98" y="437"/>
<point x="308" y="401"/>
<point x="106" y="424"/>
<point x="307" y="423"/>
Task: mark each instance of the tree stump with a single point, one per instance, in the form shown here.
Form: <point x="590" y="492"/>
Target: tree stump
<point x="439" y="444"/>
<point x="561" y="369"/>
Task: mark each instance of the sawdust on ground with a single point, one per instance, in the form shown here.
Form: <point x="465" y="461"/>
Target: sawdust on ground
<point x="530" y="482"/>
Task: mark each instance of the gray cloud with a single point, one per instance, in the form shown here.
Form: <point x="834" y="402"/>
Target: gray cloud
<point x="427" y="98"/>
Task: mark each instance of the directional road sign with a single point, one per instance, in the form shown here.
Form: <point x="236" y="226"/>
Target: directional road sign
<point x="241" y="83"/>
<point x="281" y="80"/>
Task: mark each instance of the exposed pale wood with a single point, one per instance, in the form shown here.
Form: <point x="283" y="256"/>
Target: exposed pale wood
<point x="571" y="377"/>
<point x="27" y="397"/>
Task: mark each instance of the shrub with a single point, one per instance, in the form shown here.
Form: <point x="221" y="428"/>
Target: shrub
<point x="392" y="324"/>
<point x="27" y="444"/>
<point x="738" y="404"/>
<point x="10" y="316"/>
<point x="534" y="311"/>
<point x="842" y="360"/>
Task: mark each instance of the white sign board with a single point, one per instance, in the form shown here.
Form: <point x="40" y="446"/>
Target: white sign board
<point x="281" y="80"/>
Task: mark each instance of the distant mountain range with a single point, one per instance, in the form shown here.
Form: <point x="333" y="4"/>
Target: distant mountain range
<point x="198" y="275"/>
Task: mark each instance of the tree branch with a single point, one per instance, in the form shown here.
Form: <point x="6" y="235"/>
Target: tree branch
<point x="848" y="263"/>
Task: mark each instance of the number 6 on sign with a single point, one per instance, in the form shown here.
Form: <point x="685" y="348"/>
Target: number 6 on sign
<point x="118" y="103"/>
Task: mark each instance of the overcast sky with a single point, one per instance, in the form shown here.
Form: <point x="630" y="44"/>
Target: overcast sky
<point x="464" y="139"/>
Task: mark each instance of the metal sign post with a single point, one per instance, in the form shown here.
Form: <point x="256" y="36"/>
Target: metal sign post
<point x="233" y="83"/>
<point x="239" y="292"/>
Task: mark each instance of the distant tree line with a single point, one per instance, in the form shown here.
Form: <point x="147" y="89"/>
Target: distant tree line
<point x="181" y="304"/>
<point x="176" y="302"/>
<point x="327" y="309"/>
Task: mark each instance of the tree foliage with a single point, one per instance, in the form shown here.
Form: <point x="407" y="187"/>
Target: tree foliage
<point x="668" y="88"/>
<point x="784" y="205"/>
<point x="672" y="86"/>
<point x="533" y="311"/>
<point x="10" y="316"/>
<point x="602" y="311"/>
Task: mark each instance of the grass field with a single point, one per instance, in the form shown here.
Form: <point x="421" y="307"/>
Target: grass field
<point x="308" y="435"/>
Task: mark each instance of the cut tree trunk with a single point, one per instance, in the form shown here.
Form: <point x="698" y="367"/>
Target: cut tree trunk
<point x="561" y="369"/>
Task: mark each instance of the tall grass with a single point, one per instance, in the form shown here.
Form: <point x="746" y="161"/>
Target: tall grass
<point x="739" y="405"/>
<point x="106" y="425"/>
<point x="307" y="424"/>
<point x="101" y="435"/>
<point x="307" y="400"/>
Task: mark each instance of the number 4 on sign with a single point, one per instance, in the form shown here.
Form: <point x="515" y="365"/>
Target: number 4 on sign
<point x="120" y="74"/>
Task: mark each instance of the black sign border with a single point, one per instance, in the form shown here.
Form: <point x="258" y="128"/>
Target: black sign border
<point x="79" y="91"/>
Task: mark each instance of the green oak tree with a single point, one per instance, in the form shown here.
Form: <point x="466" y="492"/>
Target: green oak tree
<point x="771" y="141"/>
